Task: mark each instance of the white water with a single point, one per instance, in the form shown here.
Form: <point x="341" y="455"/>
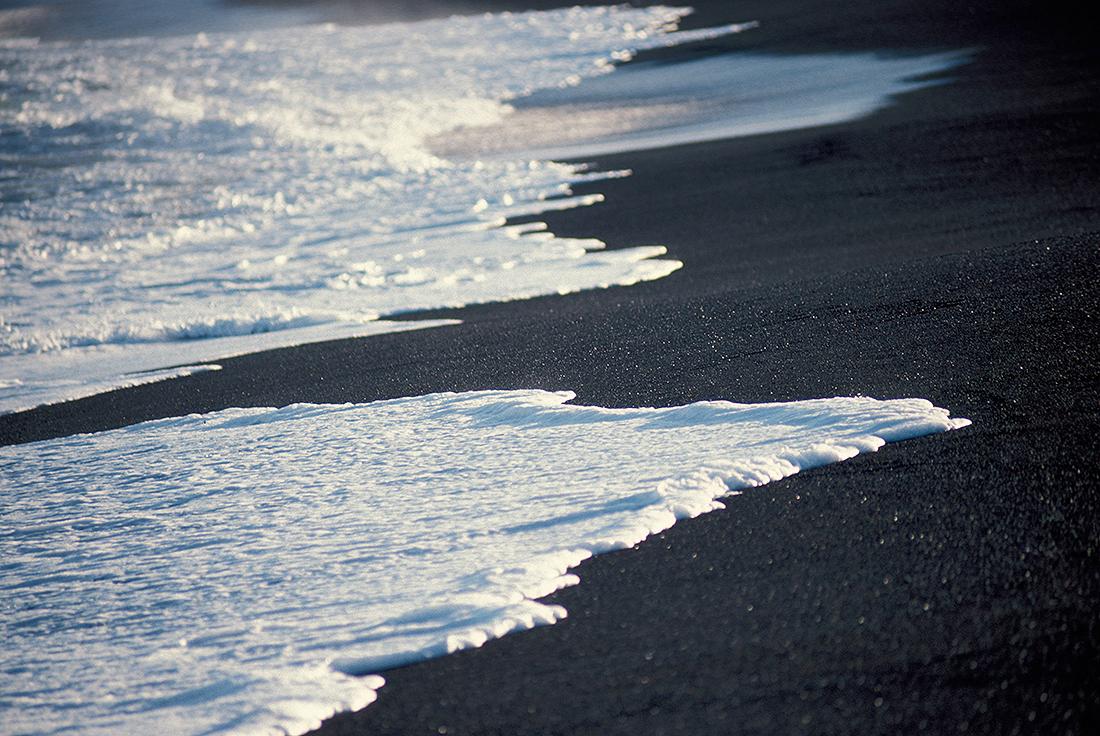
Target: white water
<point x="276" y="187"/>
<point x="174" y="201"/>
<point x="223" y="573"/>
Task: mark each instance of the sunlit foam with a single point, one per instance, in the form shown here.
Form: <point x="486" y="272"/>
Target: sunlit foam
<point x="231" y="572"/>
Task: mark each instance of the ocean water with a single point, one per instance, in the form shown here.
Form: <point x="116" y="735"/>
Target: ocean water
<point x="275" y="187"/>
<point x="232" y="573"/>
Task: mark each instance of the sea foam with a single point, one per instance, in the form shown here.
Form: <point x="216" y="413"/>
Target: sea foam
<point x="232" y="573"/>
<point x="276" y="186"/>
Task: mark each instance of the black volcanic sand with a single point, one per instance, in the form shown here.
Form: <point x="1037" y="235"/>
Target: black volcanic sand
<point x="944" y="248"/>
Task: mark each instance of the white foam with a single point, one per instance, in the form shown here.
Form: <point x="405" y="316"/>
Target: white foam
<point x="657" y="104"/>
<point x="172" y="189"/>
<point x="224" y="573"/>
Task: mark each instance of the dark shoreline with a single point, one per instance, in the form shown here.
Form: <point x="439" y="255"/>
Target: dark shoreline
<point x="943" y="248"/>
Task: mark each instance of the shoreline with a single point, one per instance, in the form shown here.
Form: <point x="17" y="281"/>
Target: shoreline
<point x="693" y="217"/>
<point x="942" y="248"/>
<point x="941" y="585"/>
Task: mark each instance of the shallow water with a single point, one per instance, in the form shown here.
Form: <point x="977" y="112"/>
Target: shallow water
<point x="659" y="104"/>
<point x="276" y="186"/>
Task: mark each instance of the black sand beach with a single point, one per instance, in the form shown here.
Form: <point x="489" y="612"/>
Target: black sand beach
<point x="944" y="248"/>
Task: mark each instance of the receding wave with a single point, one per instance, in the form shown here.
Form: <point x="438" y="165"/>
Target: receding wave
<point x="232" y="572"/>
<point x="174" y="189"/>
